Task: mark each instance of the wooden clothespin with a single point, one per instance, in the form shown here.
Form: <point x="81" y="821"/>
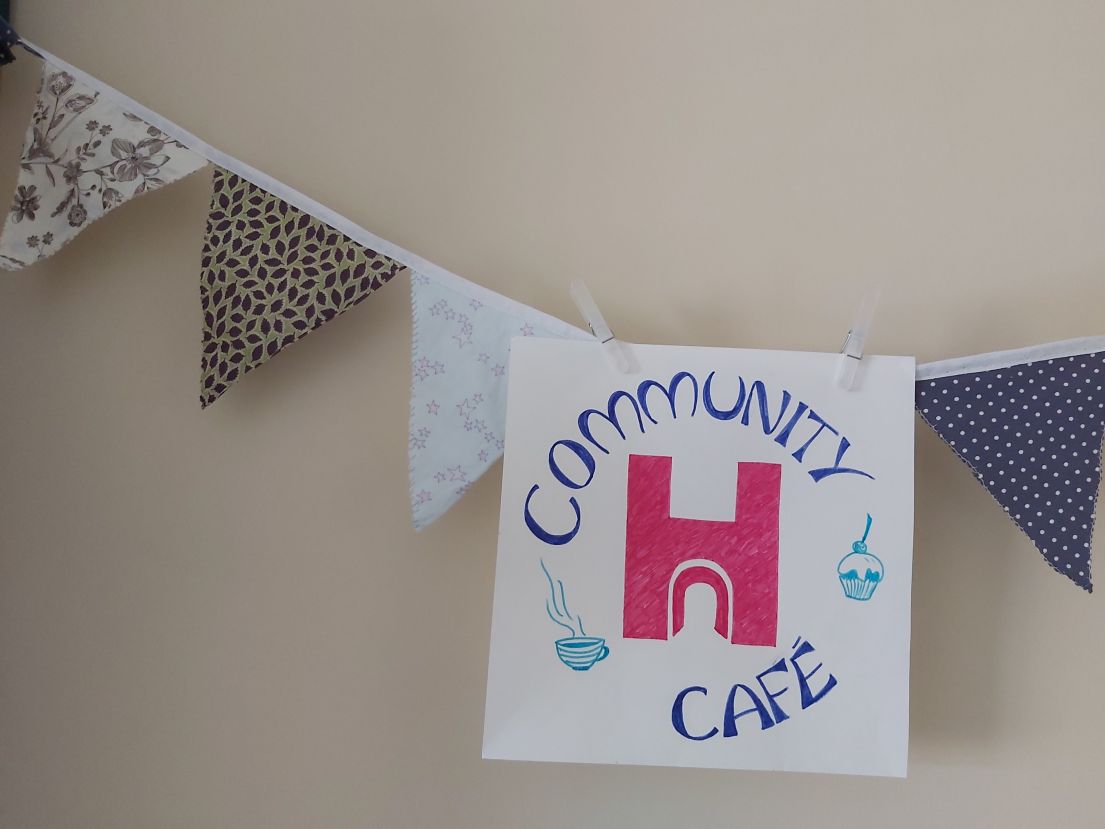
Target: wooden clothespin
<point x="851" y="353"/>
<point x="613" y="349"/>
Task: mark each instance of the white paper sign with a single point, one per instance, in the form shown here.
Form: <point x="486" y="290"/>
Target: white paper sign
<point x="706" y="563"/>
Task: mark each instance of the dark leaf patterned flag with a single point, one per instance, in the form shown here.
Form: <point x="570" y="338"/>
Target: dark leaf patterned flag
<point x="1029" y="424"/>
<point x="271" y="274"/>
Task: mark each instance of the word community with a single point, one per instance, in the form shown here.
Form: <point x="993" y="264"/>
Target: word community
<point x="761" y="703"/>
<point x="809" y="438"/>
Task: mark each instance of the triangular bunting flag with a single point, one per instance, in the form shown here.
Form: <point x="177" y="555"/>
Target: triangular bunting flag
<point x="8" y="39"/>
<point x="460" y="347"/>
<point x="83" y="156"/>
<point x="1029" y="424"/>
<point x="271" y="274"/>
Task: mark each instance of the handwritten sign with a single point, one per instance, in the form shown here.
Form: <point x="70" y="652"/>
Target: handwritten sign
<point x="706" y="563"/>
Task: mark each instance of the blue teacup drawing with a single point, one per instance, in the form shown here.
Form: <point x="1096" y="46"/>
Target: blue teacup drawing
<point x="581" y="652"/>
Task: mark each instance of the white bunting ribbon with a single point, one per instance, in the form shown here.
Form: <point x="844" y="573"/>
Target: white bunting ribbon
<point x="252" y="174"/>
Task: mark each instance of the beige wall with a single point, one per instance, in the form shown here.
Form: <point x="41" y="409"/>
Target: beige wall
<point x="223" y="619"/>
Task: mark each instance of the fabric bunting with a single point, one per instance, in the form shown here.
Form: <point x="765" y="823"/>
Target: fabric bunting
<point x="271" y="274"/>
<point x="83" y="156"/>
<point x="1029" y="424"/>
<point x="8" y="39"/>
<point x="460" y="347"/>
<point x="276" y="265"/>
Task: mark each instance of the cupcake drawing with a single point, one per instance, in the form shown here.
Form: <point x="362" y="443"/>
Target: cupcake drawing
<point x="860" y="572"/>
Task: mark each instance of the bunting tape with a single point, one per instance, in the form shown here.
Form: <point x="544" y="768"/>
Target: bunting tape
<point x="299" y="200"/>
<point x="1004" y="359"/>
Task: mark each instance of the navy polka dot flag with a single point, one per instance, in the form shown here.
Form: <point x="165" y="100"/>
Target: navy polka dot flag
<point x="1029" y="425"/>
<point x="8" y="39"/>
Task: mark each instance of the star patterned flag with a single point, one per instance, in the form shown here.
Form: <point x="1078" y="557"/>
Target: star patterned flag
<point x="83" y="156"/>
<point x="460" y="350"/>
<point x="1029" y="424"/>
<point x="270" y="275"/>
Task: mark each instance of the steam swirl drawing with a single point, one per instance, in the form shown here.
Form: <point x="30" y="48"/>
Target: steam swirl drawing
<point x="577" y="650"/>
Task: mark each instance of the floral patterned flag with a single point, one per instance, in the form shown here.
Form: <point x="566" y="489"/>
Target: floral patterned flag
<point x="1029" y="424"/>
<point x="271" y="274"/>
<point x="83" y="156"/>
<point x="460" y="347"/>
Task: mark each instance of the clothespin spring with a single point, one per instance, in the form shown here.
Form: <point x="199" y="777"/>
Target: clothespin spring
<point x="613" y="348"/>
<point x="851" y="351"/>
